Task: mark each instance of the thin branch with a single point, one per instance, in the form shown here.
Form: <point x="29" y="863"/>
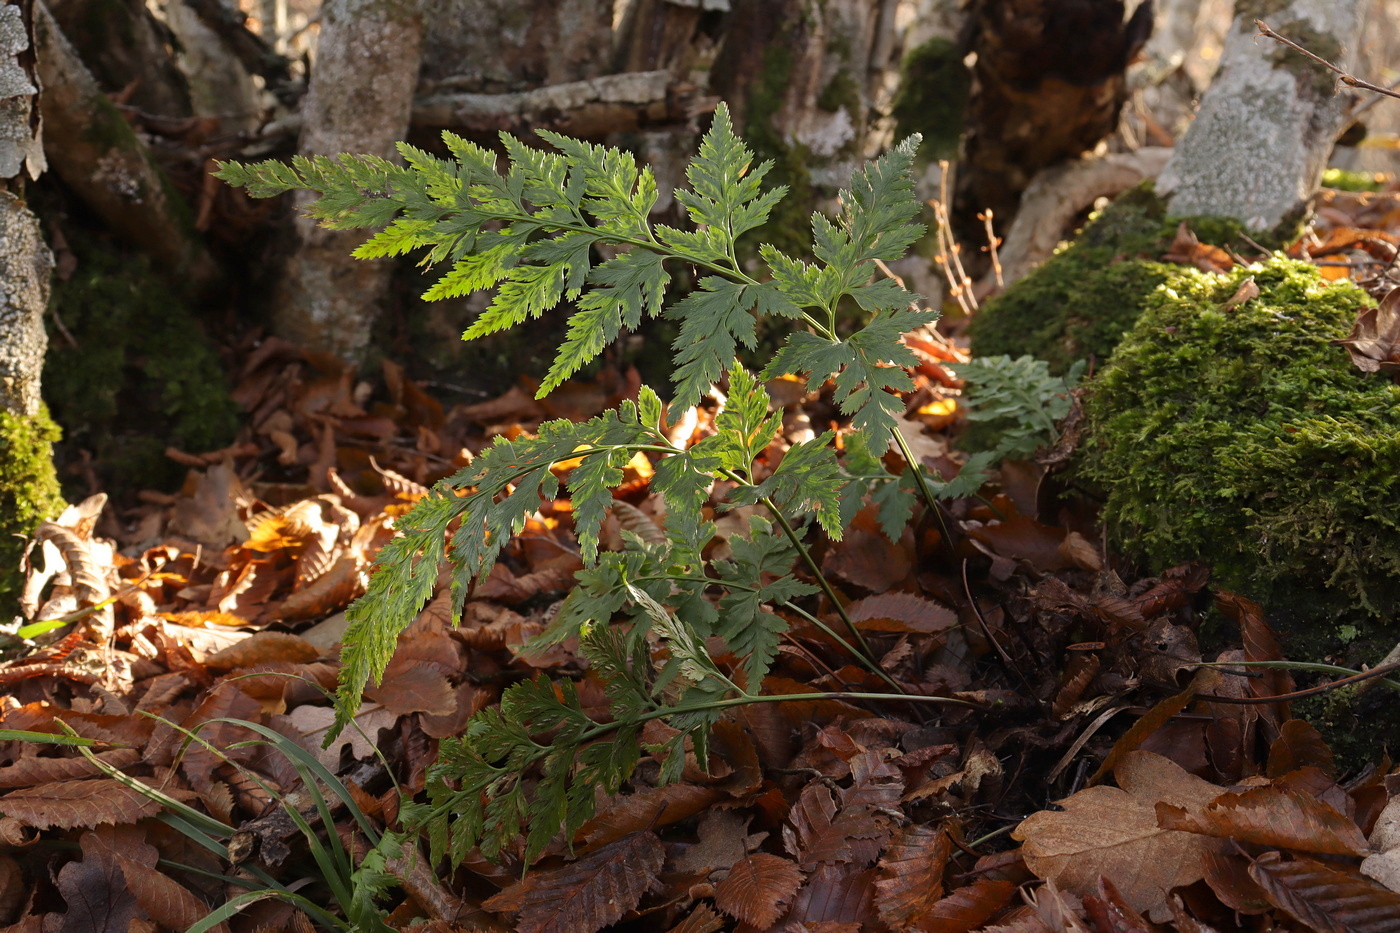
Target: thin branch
<point x="1346" y="78"/>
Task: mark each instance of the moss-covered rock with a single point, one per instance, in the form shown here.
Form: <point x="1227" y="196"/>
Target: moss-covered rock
<point x="143" y="375"/>
<point x="29" y="493"/>
<point x="1079" y="303"/>
<point x="1244" y="438"/>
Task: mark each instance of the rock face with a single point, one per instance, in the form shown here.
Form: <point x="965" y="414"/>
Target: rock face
<point x="1243" y="437"/>
<point x="1268" y="123"/>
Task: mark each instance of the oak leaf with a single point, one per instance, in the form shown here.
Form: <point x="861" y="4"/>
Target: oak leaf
<point x="758" y="889"/>
<point x="1113" y="831"/>
<point x="96" y="892"/>
<point x="587" y="895"/>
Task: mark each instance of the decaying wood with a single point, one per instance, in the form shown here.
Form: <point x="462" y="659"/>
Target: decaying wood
<point x="359" y="100"/>
<point x="1048" y="85"/>
<point x="491" y="46"/>
<point x="1267" y="124"/>
<point x="1057" y="195"/>
<point x="94" y="150"/>
<point x="589" y="108"/>
<point x="141" y="67"/>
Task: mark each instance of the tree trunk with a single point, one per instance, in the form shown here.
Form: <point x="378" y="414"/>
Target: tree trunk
<point x="359" y="100"/>
<point x="28" y="485"/>
<point x="493" y="46"/>
<point x="1268" y="123"/>
<point x="1047" y="86"/>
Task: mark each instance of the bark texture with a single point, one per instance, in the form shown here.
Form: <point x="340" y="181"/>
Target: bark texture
<point x="493" y="46"/>
<point x="359" y="100"/>
<point x="1047" y="86"/>
<point x="1268" y="123"/>
<point x="96" y="153"/>
<point x="127" y="50"/>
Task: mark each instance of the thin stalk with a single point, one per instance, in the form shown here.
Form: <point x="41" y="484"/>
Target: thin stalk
<point x="922" y="481"/>
<point x="748" y="699"/>
<point x="1317" y="666"/>
<point x="864" y="662"/>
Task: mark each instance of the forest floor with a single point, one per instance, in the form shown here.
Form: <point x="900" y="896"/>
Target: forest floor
<point x="218" y="612"/>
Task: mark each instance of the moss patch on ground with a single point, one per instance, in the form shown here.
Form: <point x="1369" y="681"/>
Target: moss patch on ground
<point x="1079" y="303"/>
<point x="29" y="493"/>
<point x="142" y="376"/>
<point x="1244" y="438"/>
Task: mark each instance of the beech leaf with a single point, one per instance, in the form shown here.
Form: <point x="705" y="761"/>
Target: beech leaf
<point x="1324" y="898"/>
<point x="587" y="895"/>
<point x="78" y="803"/>
<point x="911" y="873"/>
<point x="1272" y="816"/>
<point x="759" y="889"/>
<point x="967" y="908"/>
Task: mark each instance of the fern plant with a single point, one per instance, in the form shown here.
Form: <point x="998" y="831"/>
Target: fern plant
<point x="531" y="233"/>
<point x="1018" y="402"/>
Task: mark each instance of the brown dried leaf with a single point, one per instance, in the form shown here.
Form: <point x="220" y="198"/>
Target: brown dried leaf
<point x="260" y="648"/>
<point x="1326" y="899"/>
<point x="1187" y="249"/>
<point x="820" y="831"/>
<point x="1022" y="538"/>
<point x="759" y="889"/>
<point x="1113" y="832"/>
<point x="78" y="803"/>
<point x="1108" y="911"/>
<point x="1374" y="342"/>
<point x="28" y="772"/>
<point x="967" y="908"/>
<point x="702" y="919"/>
<point x="1299" y="745"/>
<point x="329" y="592"/>
<point x="415" y="689"/>
<point x="1260" y="644"/>
<point x="836" y="894"/>
<point x="1227" y="873"/>
<point x="911" y="873"/>
<point x="1271" y="816"/>
<point x="651" y="807"/>
<point x="96" y="892"/>
<point x="901" y="612"/>
<point x="587" y="895"/>
<point x="164" y="900"/>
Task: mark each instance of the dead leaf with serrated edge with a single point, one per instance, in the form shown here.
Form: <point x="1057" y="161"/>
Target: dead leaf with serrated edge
<point x="758" y="889"/>
<point x="78" y="803"/>
<point x="1113" y="831"/>
<point x="1273" y="816"/>
<point x="587" y="895"/>
<point x="911" y="873"/>
<point x="1327" y="898"/>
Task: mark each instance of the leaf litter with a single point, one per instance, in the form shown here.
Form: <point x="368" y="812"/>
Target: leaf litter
<point x="221" y="606"/>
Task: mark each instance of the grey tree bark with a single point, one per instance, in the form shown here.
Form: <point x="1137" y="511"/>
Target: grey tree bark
<point x="359" y="100"/>
<point x="1267" y="124"/>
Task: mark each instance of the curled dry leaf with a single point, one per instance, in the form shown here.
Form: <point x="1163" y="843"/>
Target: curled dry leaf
<point x="1113" y="832"/>
<point x="856" y="829"/>
<point x="587" y="895"/>
<point x="759" y="889"/>
<point x="1374" y="341"/>
<point x="1324" y="898"/>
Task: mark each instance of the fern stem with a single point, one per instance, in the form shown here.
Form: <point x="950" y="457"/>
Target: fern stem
<point x="867" y="663"/>
<point x="922" y="481"/>
<point x="748" y="699"/>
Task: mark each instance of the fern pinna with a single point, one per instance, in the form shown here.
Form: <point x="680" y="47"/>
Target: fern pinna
<point x="531" y="234"/>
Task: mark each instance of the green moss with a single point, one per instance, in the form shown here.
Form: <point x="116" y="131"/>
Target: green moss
<point x="840" y="93"/>
<point x="29" y="492"/>
<point x="788" y="227"/>
<point x="934" y="86"/>
<point x="1344" y="180"/>
<point x="1358" y="729"/>
<point x="143" y="374"/>
<point x="1080" y="302"/>
<point x="1244" y="438"/>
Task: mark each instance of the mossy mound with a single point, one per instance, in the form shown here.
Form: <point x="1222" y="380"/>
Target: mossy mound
<point x="1079" y="303"/>
<point x="1244" y="438"/>
<point x="143" y="375"/>
<point x="29" y="493"/>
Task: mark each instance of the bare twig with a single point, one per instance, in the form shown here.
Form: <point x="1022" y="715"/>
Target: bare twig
<point x="993" y="241"/>
<point x="959" y="285"/>
<point x="1346" y="78"/>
